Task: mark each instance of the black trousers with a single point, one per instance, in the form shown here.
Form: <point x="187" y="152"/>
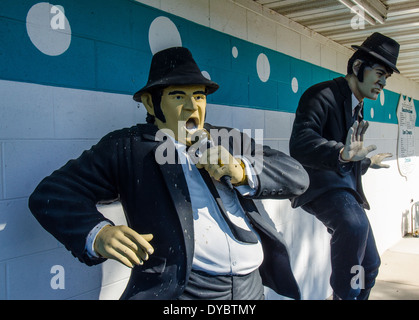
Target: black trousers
<point x="354" y="256"/>
<point x="223" y="287"/>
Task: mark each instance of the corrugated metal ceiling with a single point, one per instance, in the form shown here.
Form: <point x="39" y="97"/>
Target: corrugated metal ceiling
<point x="338" y="21"/>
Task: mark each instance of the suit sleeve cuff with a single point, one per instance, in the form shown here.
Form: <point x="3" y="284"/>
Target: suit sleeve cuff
<point x="252" y="185"/>
<point x="344" y="166"/>
<point x="91" y="237"/>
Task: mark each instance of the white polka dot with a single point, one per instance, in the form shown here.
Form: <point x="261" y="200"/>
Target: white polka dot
<point x="294" y="84"/>
<point x="163" y="34"/>
<point x="235" y="52"/>
<point x="48" y="28"/>
<point x="263" y="67"/>
<point x="372" y="113"/>
<point x="206" y="75"/>
<point x="382" y="98"/>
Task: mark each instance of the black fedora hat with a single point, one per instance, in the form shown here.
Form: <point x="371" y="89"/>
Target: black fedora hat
<point x="174" y="66"/>
<point x="383" y="48"/>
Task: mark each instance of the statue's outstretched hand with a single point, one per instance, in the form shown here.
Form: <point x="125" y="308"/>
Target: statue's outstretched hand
<point x="376" y="160"/>
<point x="354" y="149"/>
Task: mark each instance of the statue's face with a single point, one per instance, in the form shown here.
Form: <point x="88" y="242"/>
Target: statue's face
<point x="184" y="109"/>
<point x="374" y="81"/>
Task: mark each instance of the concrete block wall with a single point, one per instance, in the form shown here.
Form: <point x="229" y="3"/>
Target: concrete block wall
<point x="55" y="106"/>
<point x="42" y="128"/>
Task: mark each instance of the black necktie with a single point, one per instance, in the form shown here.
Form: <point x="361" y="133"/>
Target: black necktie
<point x="357" y="110"/>
<point x="239" y="233"/>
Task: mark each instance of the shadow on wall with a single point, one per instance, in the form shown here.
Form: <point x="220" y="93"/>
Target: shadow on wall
<point x="309" y="248"/>
<point x="115" y="275"/>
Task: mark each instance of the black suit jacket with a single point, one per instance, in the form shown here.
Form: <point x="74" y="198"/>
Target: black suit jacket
<point x="322" y="121"/>
<point x="155" y="200"/>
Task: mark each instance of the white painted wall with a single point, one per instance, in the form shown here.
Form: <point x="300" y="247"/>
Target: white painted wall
<point x="38" y="118"/>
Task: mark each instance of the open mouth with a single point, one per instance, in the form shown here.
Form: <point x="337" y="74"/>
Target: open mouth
<point x="192" y="124"/>
<point x="378" y="88"/>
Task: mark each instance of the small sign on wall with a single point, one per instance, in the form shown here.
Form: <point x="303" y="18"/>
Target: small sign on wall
<point x="406" y="115"/>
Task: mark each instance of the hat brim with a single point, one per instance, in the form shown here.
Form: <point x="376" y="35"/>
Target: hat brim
<point x="375" y="55"/>
<point x="177" y="81"/>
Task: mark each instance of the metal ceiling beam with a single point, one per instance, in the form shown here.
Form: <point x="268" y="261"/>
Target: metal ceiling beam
<point x="409" y="74"/>
<point x="362" y="15"/>
<point x="408" y="62"/>
<point x="343" y="35"/>
<point x="402" y="9"/>
<point x="331" y="23"/>
<point x="323" y="18"/>
<point x="411" y="23"/>
<point x="281" y="3"/>
<point x="370" y="10"/>
<point x="295" y="6"/>
<point x="406" y="54"/>
<point x="375" y="8"/>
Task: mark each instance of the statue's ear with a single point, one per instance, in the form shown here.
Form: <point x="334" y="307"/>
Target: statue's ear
<point x="356" y="66"/>
<point x="148" y="103"/>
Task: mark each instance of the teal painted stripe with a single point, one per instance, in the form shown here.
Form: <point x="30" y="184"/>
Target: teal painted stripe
<point x="110" y="52"/>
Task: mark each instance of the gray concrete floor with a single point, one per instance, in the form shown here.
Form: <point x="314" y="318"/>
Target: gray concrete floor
<point x="398" y="278"/>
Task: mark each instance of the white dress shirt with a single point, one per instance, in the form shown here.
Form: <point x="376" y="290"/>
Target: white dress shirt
<point x="216" y="249"/>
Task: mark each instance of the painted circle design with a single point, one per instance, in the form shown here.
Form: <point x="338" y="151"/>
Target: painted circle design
<point x="263" y="67"/>
<point x="48" y="28"/>
<point x="163" y="34"/>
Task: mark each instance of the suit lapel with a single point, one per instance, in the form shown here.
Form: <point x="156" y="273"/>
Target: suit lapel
<point x="346" y="92"/>
<point x="176" y="184"/>
<point x="348" y="113"/>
